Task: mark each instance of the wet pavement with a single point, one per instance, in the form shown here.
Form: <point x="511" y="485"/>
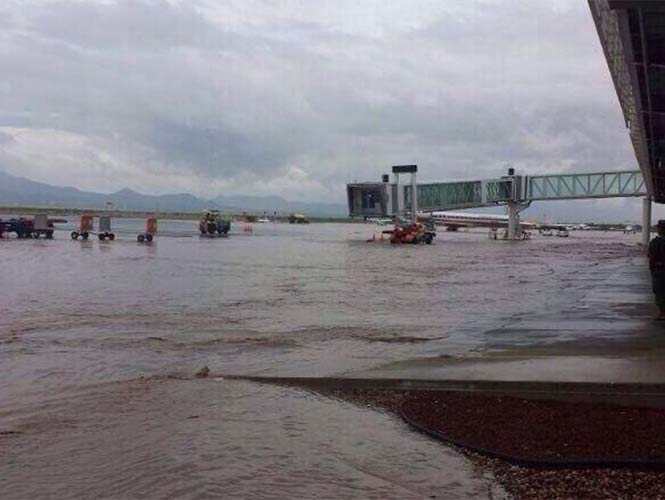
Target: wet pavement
<point x="609" y="335"/>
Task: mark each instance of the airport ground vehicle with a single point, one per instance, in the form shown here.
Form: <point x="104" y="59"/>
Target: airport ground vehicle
<point x="298" y="219"/>
<point x="105" y="228"/>
<point x="212" y="223"/>
<point x="40" y="225"/>
<point x="412" y="233"/>
<point x="150" y="230"/>
<point x="562" y="232"/>
<point x="85" y="228"/>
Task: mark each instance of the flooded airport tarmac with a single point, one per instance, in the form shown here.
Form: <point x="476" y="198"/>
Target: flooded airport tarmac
<point x="82" y="321"/>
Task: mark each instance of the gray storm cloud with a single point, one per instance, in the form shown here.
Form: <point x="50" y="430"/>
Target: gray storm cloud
<point x="293" y="98"/>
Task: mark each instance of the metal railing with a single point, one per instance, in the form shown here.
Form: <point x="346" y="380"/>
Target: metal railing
<point x="576" y="186"/>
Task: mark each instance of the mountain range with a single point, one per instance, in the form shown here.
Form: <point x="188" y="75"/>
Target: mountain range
<point x="19" y="191"/>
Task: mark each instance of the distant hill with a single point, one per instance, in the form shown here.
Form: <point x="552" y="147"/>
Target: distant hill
<point x="19" y="191"/>
<point x="271" y="204"/>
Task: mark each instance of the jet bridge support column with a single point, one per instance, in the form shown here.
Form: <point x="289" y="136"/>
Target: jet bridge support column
<point x="516" y="203"/>
<point x="513" y="220"/>
<point x="414" y="199"/>
<point x="646" y="220"/>
<point x="514" y="209"/>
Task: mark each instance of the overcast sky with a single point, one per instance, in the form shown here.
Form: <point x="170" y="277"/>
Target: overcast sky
<point x="297" y="98"/>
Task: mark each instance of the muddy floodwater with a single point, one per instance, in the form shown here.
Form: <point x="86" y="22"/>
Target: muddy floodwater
<point x="98" y="342"/>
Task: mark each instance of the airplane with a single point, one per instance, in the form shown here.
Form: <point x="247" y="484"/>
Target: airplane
<point x="455" y="220"/>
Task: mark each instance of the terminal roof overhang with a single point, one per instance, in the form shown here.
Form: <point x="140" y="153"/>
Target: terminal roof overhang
<point x="632" y="34"/>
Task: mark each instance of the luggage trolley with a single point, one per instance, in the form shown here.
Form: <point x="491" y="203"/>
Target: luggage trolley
<point x="105" y="228"/>
<point x="40" y="225"/>
<point x="85" y="228"/>
<point x="150" y="230"/>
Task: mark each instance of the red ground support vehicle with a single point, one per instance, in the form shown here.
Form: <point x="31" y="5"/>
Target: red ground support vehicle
<point x="413" y="234"/>
<point x="150" y="230"/>
<point x="85" y="228"/>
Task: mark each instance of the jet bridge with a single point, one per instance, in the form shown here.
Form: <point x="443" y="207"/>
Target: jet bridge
<point x="392" y="199"/>
<point x="516" y="192"/>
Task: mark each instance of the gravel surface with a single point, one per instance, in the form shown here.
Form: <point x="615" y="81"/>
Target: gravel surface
<point x="523" y="482"/>
<point x="541" y="430"/>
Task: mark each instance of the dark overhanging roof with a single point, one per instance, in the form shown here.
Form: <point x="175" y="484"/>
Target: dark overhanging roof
<point x="632" y="33"/>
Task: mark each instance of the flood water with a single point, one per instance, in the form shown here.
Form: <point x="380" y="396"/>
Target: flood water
<point x="91" y="331"/>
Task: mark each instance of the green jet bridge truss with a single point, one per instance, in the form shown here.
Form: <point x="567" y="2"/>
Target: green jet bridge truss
<point x="391" y="199"/>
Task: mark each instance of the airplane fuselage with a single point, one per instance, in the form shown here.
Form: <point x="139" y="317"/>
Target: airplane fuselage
<point x="461" y="219"/>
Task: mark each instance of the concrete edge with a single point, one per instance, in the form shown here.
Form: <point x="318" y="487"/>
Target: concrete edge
<point x="643" y="394"/>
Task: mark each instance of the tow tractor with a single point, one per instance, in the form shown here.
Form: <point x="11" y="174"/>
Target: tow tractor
<point x="25" y="228"/>
<point x="213" y="224"/>
<point x="408" y="233"/>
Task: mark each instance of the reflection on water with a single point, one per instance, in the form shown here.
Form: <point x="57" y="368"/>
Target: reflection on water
<point x="80" y="320"/>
